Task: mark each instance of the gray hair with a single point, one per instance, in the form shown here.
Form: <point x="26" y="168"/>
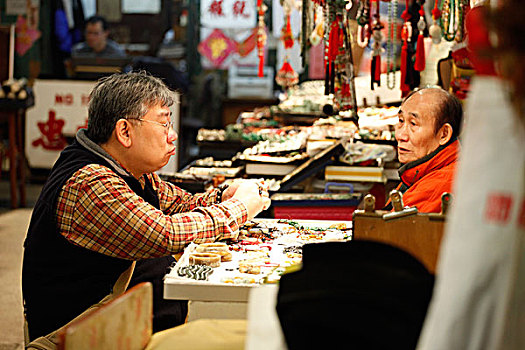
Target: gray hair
<point x="449" y="109"/>
<point x="123" y="96"/>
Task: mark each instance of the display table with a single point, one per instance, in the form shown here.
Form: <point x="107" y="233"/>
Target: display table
<point x="215" y="298"/>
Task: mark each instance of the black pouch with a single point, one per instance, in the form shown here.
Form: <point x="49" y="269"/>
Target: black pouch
<point x="356" y="295"/>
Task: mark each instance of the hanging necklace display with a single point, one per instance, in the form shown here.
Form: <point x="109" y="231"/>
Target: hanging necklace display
<point x="420" y="48"/>
<point x="391" y="45"/>
<point x="435" y="29"/>
<point x="349" y="100"/>
<point x="452" y="20"/>
<point x="261" y="36"/>
<point x="377" y="49"/>
<point x="307" y="27"/>
<point x="340" y="76"/>
<point x="363" y="20"/>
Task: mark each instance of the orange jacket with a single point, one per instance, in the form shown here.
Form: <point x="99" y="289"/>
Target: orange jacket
<point x="429" y="177"/>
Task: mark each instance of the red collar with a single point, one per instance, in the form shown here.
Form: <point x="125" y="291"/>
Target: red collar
<point x="411" y="172"/>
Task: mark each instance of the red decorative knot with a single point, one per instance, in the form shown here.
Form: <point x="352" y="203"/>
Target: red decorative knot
<point x="436" y="13"/>
<point x="405" y="15"/>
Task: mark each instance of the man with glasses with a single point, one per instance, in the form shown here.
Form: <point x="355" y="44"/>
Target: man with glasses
<point x="103" y="208"/>
<point x="97" y="43"/>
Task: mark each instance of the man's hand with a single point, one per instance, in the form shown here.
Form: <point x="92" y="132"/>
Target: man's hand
<point x="232" y="187"/>
<point x="253" y="194"/>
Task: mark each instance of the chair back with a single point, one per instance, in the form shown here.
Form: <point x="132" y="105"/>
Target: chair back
<point x="123" y="323"/>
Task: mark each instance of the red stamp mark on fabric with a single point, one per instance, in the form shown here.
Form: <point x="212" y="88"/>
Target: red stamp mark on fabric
<point x="498" y="208"/>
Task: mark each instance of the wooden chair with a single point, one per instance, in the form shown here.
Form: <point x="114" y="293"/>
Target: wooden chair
<point x="419" y="234"/>
<point x="123" y="323"/>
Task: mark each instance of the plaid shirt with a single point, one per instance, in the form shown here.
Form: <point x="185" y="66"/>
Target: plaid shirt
<point x="97" y="210"/>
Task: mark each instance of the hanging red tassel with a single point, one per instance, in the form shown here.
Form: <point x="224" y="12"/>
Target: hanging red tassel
<point x="331" y="52"/>
<point x="286" y="76"/>
<point x="377" y="72"/>
<point x="260" y="73"/>
<point x="405" y="88"/>
<point x="333" y="41"/>
<point x="403" y="67"/>
<point x="419" y="65"/>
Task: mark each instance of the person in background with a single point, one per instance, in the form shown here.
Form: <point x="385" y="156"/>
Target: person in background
<point x="103" y="207"/>
<point x="478" y="300"/>
<point x="428" y="147"/>
<point x="97" y="43"/>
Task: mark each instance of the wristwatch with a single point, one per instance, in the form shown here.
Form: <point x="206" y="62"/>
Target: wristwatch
<point x="220" y="192"/>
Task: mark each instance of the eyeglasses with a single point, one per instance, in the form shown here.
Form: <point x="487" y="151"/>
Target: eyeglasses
<point x="167" y="126"/>
<point x="90" y="32"/>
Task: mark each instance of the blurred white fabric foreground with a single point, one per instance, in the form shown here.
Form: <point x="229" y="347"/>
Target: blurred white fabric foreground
<point x="479" y="297"/>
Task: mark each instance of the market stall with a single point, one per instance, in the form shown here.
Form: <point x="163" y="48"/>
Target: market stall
<point x="305" y="156"/>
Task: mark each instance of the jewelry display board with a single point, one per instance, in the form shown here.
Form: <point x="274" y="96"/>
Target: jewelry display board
<point x="267" y="246"/>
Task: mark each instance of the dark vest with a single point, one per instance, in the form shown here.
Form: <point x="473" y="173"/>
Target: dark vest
<point x="59" y="279"/>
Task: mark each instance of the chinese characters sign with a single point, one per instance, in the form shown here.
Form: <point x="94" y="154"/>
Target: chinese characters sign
<point x="228" y="13"/>
<point x="60" y="110"/>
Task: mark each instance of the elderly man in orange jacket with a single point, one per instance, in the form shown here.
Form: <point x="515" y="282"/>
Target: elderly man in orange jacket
<point x="428" y="147"/>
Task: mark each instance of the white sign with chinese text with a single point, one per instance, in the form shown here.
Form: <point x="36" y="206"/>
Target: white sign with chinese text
<point x="139" y="6"/>
<point x="228" y="13"/>
<point x="60" y="110"/>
